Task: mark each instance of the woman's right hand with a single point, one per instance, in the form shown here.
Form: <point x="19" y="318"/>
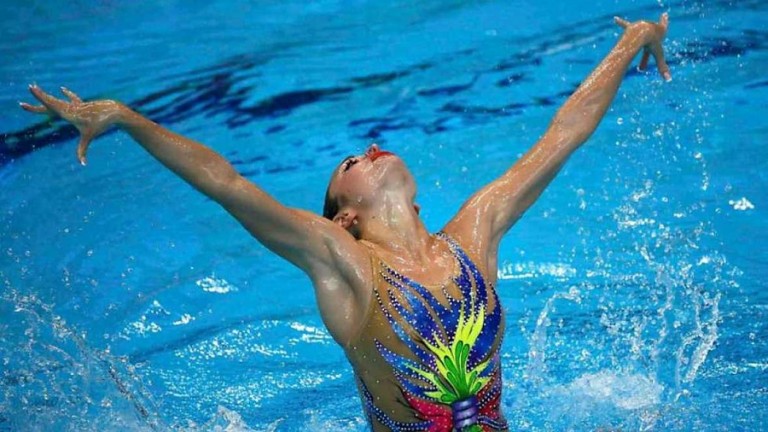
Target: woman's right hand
<point x="653" y="35"/>
<point x="90" y="118"/>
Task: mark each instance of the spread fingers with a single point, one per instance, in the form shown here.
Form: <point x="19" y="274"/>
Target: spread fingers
<point x="71" y="95"/>
<point x="82" y="146"/>
<point x="664" y="20"/>
<point x="658" y="55"/>
<point x="50" y="102"/>
<point x="621" y="22"/>
<point x="33" y="108"/>
<point x="644" y="60"/>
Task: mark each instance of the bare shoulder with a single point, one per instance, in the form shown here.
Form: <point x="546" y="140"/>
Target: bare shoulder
<point x="344" y="253"/>
<point x="341" y="276"/>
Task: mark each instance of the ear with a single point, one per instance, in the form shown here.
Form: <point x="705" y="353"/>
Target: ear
<point x="417" y="208"/>
<point x="345" y="218"/>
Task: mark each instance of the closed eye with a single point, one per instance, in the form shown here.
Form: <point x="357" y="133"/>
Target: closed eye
<point x="347" y="164"/>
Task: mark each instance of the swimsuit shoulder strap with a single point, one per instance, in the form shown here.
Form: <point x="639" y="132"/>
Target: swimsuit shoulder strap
<point x="454" y="245"/>
<point x="462" y="255"/>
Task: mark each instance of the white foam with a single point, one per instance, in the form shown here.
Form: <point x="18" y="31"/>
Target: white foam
<point x="212" y="284"/>
<point x="225" y="420"/>
<point x="624" y="391"/>
<point x="632" y="223"/>
<point x="526" y="270"/>
<point x="741" y="204"/>
<point x="311" y="334"/>
<point x="185" y="319"/>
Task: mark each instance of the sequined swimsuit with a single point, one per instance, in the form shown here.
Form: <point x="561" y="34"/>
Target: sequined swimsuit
<point x="427" y="358"/>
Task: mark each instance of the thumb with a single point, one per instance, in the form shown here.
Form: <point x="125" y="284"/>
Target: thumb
<point x="661" y="63"/>
<point x="621" y="22"/>
<point x="82" y="147"/>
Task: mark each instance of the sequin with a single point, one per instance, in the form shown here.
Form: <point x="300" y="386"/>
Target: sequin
<point x="452" y="356"/>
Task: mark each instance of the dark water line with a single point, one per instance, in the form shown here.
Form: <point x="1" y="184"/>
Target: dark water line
<point x="215" y="90"/>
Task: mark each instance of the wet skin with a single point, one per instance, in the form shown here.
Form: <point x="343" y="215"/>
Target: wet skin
<point x="375" y="191"/>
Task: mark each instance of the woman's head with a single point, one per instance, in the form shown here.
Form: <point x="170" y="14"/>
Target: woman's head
<point x="363" y="185"/>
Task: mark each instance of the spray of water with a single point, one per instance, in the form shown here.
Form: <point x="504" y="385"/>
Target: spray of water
<point x="642" y="314"/>
<point x="59" y="382"/>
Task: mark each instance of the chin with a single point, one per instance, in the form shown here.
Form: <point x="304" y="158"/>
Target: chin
<point x="396" y="176"/>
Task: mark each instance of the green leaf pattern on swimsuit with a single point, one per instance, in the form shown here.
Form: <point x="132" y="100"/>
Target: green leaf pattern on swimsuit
<point x="454" y="381"/>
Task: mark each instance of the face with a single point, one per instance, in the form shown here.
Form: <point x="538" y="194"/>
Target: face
<point x="360" y="180"/>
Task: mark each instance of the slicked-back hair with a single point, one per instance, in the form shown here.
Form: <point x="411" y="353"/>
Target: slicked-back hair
<point x="331" y="205"/>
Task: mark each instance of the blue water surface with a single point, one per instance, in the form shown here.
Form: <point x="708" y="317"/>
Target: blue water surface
<point x="635" y="288"/>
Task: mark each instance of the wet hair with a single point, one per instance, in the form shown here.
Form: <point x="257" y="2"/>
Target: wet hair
<point x="331" y="205"/>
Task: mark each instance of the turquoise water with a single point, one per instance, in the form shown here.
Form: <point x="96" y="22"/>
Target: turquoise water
<point x="634" y="289"/>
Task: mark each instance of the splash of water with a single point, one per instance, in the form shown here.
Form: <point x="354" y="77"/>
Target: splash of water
<point x="225" y="420"/>
<point x="537" y="354"/>
<point x="649" y="303"/>
<point x="52" y="379"/>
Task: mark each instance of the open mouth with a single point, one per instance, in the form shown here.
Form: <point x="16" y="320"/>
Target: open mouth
<point x="379" y="154"/>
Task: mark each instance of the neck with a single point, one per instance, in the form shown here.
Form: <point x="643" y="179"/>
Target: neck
<point x="395" y="227"/>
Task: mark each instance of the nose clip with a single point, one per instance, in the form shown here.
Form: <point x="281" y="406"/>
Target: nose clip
<point x="374" y="148"/>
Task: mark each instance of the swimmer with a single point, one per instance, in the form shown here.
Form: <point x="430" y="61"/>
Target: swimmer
<point x="416" y="314"/>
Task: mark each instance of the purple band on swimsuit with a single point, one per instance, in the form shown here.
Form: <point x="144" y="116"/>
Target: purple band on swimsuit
<point x="464" y="412"/>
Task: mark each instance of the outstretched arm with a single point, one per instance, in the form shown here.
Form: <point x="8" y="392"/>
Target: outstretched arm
<point x="488" y="214"/>
<point x="338" y="265"/>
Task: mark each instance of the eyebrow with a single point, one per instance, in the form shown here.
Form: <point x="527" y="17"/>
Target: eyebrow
<point x="343" y="161"/>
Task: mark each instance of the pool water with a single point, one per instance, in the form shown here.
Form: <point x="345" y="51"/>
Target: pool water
<point x="635" y="288"/>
